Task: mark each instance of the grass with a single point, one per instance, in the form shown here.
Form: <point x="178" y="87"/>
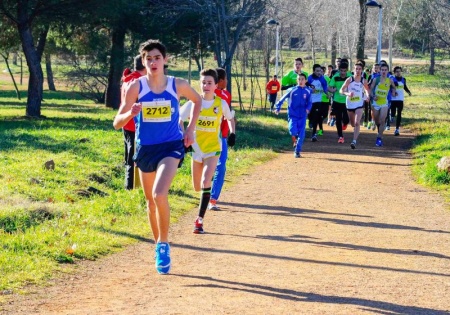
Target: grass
<point x="430" y="121"/>
<point x="48" y="218"/>
<point x="426" y="114"/>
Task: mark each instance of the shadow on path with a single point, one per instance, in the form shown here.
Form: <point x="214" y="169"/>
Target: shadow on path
<point x="310" y="261"/>
<point x="297" y="212"/>
<point x="286" y="209"/>
<point x="292" y="295"/>
<point x="308" y="240"/>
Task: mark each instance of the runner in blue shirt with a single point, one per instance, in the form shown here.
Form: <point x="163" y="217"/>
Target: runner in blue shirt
<point x="153" y="101"/>
<point x="299" y="105"/>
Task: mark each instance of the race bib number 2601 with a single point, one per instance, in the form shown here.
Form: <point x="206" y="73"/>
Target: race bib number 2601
<point x="156" y="111"/>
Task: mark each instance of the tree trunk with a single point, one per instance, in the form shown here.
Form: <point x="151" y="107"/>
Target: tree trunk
<point x="48" y="68"/>
<point x="244" y="67"/>
<point x="362" y="29"/>
<point x="197" y="62"/>
<point x="10" y="73"/>
<point x="267" y="56"/>
<point x="14" y="60"/>
<point x="228" y="71"/>
<point x="21" y="69"/>
<point x="391" y="39"/>
<point x="313" y="44"/>
<point x="112" y="98"/>
<point x="432" y="57"/>
<point x="36" y="80"/>
<point x="42" y="40"/>
<point x="333" y="48"/>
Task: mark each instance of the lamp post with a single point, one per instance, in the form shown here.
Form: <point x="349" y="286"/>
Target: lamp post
<point x="277" y="45"/>
<point x="374" y="4"/>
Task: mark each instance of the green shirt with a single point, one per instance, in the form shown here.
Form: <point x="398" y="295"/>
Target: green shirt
<point x="338" y="82"/>
<point x="291" y="78"/>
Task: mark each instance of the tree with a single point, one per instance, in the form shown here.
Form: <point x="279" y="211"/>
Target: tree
<point x="229" y="22"/>
<point x="424" y="25"/>
<point x="8" y="42"/>
<point x="393" y="10"/>
<point x="362" y="29"/>
<point x="26" y="15"/>
<point x="123" y="17"/>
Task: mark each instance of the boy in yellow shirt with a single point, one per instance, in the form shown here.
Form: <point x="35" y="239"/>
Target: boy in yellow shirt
<point x="208" y="144"/>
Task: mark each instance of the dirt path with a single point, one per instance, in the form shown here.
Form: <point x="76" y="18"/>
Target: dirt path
<point x="335" y="232"/>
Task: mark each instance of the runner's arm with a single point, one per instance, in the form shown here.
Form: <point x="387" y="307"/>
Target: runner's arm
<point x="185" y="110"/>
<point x="393" y="88"/>
<point x="324" y="84"/>
<point x="366" y="89"/>
<point x="309" y="105"/>
<point x="184" y="89"/>
<point x="406" y="88"/>
<point x="344" y="88"/>
<point x="128" y="108"/>
<point x="281" y="101"/>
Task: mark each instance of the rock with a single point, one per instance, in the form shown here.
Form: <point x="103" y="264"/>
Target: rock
<point x="84" y="140"/>
<point x="89" y="192"/>
<point x="95" y="191"/>
<point x="444" y="164"/>
<point x="35" y="181"/>
<point x="49" y="165"/>
<point x="97" y="178"/>
<point x="272" y="61"/>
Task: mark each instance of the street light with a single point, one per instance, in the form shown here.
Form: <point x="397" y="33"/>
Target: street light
<point x="277" y="47"/>
<point x="374" y="4"/>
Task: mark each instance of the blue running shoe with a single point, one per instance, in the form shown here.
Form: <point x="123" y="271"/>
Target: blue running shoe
<point x="332" y="122"/>
<point x="162" y="258"/>
<point x="379" y="142"/>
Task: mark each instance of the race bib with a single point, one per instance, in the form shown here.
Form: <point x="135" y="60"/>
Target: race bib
<point x="355" y="99"/>
<point x="399" y="87"/>
<point x="156" y="111"/>
<point x="381" y="93"/>
<point x="274" y="88"/>
<point x="207" y="124"/>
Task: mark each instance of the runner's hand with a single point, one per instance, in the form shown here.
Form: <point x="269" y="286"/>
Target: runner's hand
<point x="231" y="140"/>
<point x="135" y="109"/>
<point x="188" y="138"/>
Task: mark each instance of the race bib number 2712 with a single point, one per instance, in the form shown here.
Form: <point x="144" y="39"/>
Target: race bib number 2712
<point x="156" y="111"/>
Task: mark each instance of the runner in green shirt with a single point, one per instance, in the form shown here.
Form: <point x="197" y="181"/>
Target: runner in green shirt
<point x="290" y="79"/>
<point x="338" y="108"/>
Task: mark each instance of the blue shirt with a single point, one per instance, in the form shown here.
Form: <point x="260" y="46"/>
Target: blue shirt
<point x="299" y="100"/>
<point x="158" y="121"/>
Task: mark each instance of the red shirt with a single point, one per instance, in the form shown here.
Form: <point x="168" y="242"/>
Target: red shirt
<point x="273" y="87"/>
<point x="127" y="78"/>
<point x="226" y="96"/>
